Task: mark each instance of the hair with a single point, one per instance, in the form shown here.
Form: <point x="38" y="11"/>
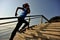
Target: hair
<point x="25" y="5"/>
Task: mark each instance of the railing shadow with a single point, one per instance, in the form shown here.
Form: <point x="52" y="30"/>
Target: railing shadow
<point x="41" y="28"/>
<point x="40" y="36"/>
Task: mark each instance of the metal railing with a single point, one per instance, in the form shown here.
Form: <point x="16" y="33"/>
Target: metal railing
<point x="29" y="18"/>
<point x="35" y="16"/>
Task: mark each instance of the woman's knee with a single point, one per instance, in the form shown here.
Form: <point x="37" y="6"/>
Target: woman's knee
<point x="27" y="23"/>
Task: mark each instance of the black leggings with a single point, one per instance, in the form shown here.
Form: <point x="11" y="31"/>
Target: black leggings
<point x="20" y="21"/>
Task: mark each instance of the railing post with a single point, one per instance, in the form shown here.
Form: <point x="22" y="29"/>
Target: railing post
<point x="29" y="22"/>
<point x="41" y="20"/>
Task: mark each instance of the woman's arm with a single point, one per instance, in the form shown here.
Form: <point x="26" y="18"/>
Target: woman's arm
<point x="29" y="11"/>
<point x="17" y="10"/>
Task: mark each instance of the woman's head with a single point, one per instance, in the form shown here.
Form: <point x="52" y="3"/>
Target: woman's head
<point x="26" y="5"/>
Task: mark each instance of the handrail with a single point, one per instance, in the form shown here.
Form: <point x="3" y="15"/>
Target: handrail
<point x="17" y="17"/>
<point x="16" y="21"/>
<point x="45" y="18"/>
<point x="35" y="16"/>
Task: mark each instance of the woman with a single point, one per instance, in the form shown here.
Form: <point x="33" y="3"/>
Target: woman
<point x="21" y="19"/>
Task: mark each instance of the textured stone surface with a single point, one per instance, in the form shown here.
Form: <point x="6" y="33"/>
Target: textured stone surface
<point x="50" y="31"/>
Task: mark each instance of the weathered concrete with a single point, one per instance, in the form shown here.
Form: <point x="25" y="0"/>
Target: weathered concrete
<point x="48" y="31"/>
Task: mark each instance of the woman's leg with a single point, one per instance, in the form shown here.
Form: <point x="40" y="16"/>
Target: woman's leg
<point x="26" y="24"/>
<point x="16" y="29"/>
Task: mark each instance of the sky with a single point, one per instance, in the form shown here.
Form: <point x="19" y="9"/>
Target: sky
<point x="48" y="8"/>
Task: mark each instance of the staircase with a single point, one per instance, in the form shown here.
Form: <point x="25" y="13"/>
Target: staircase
<point x="52" y="31"/>
<point x="48" y="31"/>
<point x="43" y="31"/>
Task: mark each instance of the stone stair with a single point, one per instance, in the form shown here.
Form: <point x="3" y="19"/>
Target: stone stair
<point x="52" y="31"/>
<point x="47" y="31"/>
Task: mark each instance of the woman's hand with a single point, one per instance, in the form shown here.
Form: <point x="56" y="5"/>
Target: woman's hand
<point x="15" y="14"/>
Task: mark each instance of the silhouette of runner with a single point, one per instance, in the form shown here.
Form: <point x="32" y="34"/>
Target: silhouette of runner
<point x="26" y="10"/>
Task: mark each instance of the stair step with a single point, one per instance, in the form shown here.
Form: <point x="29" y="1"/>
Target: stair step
<point x="36" y="28"/>
<point x="19" y="36"/>
<point x="52" y="29"/>
<point x="51" y="37"/>
<point x="31" y="32"/>
<point x="24" y="35"/>
<point x="53" y="26"/>
<point x="27" y="35"/>
<point x="56" y="23"/>
<point x="51" y="33"/>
